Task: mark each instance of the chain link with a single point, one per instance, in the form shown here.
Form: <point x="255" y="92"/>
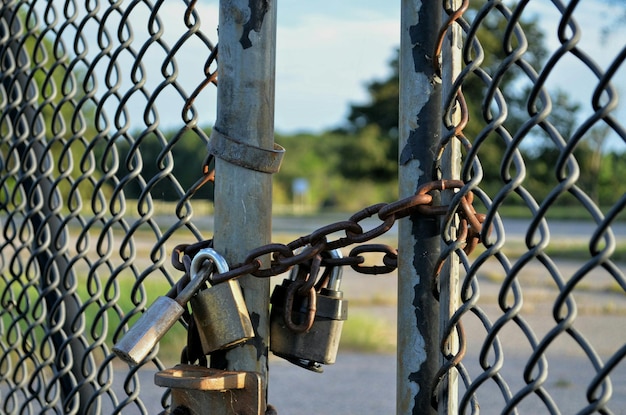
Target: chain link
<point x="284" y="256"/>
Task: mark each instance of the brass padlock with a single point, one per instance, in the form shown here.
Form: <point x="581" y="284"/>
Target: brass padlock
<point x="220" y="311"/>
<point x="198" y="390"/>
<point x="143" y="336"/>
<point x="319" y="344"/>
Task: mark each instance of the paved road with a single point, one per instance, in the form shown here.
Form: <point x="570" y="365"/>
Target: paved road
<point x="366" y="385"/>
<point x="513" y="228"/>
<point x="363" y="384"/>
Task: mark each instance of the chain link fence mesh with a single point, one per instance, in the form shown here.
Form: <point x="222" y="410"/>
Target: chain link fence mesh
<point x="539" y="332"/>
<point x="86" y="162"/>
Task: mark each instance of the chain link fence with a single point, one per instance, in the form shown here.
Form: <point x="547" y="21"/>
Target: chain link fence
<point x="86" y="163"/>
<point x="538" y="331"/>
<point x="85" y="166"/>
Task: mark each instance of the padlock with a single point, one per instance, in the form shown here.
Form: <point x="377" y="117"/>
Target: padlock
<point x="137" y="343"/>
<point x="318" y="345"/>
<point x="198" y="390"/>
<point x="220" y="313"/>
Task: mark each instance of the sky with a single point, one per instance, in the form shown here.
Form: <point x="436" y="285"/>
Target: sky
<point x="327" y="54"/>
<point x="328" y="50"/>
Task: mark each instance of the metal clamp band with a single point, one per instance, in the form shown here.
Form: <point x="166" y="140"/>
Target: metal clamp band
<point x="245" y="155"/>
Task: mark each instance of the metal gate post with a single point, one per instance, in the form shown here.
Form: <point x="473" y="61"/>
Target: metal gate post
<point x="449" y="282"/>
<point x="244" y="135"/>
<point x="419" y="240"/>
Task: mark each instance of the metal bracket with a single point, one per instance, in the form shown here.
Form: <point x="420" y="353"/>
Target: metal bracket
<point x="206" y="391"/>
<point x="245" y="155"/>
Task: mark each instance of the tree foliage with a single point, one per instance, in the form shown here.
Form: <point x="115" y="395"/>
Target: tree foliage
<point x="349" y="167"/>
<point x="539" y="147"/>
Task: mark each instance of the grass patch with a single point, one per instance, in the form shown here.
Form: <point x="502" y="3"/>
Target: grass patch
<point x="578" y="251"/>
<point x="100" y="323"/>
<point x="375" y="300"/>
<point x="170" y="345"/>
<point x="562" y="383"/>
<point x="557" y="212"/>
<point x="366" y="333"/>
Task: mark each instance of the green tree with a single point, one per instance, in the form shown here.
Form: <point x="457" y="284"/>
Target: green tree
<point x="47" y="106"/>
<point x="381" y="109"/>
<point x="171" y="163"/>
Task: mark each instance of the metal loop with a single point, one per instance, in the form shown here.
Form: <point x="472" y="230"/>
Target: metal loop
<point x="208" y="254"/>
<point x="404" y="207"/>
<point x="373" y="233"/>
<point x="311" y="275"/>
<point x="306" y="254"/>
<point x="346" y="225"/>
<point x="342" y="262"/>
<point x="189" y="250"/>
<point x="470" y="214"/>
<point x="237" y="272"/>
<point x="278" y="250"/>
<point x="391" y="255"/>
<point x="243" y="154"/>
<point x="305" y="325"/>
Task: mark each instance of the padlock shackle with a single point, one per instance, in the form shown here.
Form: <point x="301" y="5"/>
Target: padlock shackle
<point x="292" y="291"/>
<point x="212" y="255"/>
<point x="334" y="281"/>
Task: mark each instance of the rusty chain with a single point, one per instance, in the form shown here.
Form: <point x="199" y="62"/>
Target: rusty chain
<point x="309" y="247"/>
<point x="306" y="251"/>
<point x="284" y="256"/>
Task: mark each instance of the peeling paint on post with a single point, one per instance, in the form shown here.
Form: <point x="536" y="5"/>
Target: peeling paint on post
<point x="243" y="197"/>
<point x="420" y="127"/>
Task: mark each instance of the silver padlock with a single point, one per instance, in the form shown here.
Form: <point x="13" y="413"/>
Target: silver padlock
<point x="220" y="312"/>
<point x="319" y="344"/>
<point x="159" y="318"/>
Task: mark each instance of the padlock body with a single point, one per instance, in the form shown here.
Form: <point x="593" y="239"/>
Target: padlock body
<point x="143" y="336"/>
<point x="221" y="316"/>
<point x="321" y="342"/>
<point x="207" y="391"/>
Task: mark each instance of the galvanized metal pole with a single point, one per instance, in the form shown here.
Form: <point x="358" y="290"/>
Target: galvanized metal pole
<point x="419" y="240"/>
<point x="449" y="285"/>
<point x="245" y="125"/>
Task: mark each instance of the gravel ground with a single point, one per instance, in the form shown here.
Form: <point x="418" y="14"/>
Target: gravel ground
<point x="365" y="384"/>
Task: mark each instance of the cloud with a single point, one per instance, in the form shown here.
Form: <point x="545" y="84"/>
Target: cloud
<point x="323" y="63"/>
<point x="323" y="60"/>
